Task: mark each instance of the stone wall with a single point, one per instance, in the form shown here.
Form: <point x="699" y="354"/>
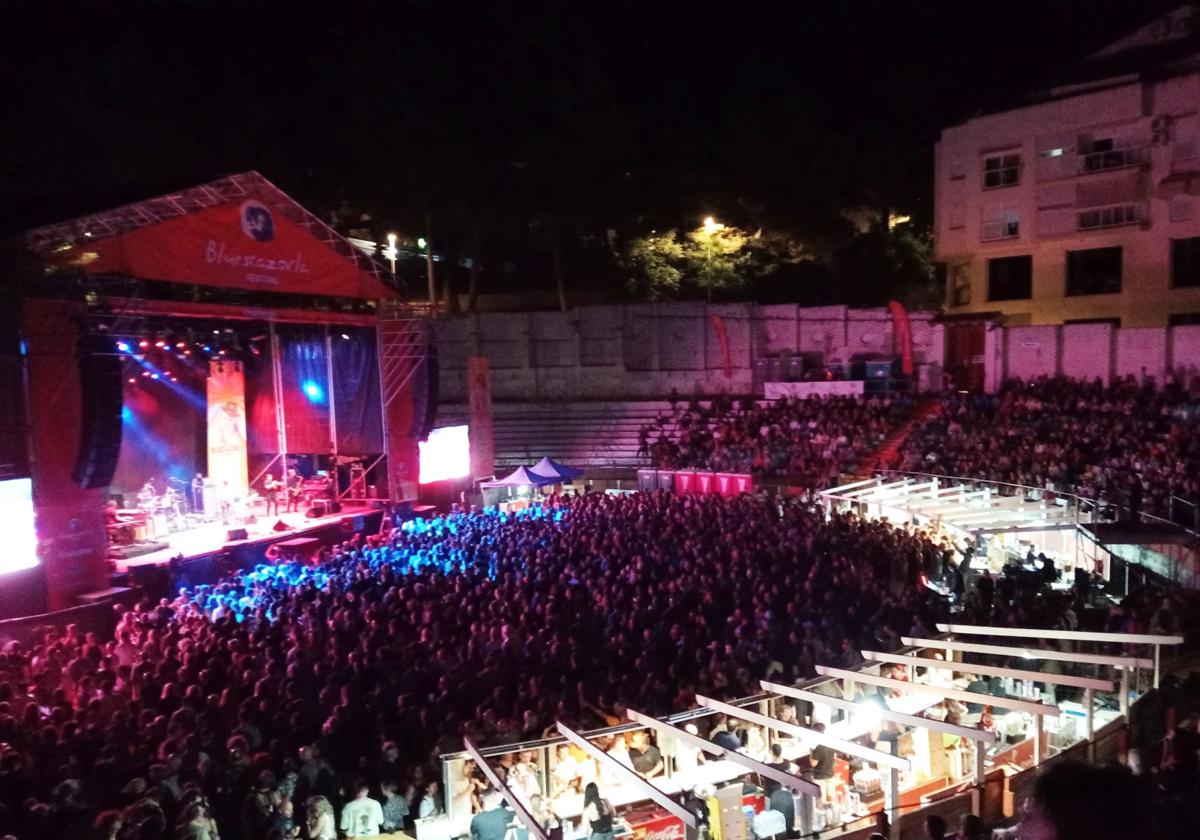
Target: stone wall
<point x="646" y="350"/>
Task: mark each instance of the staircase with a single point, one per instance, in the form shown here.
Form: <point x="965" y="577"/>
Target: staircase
<point x="887" y="454"/>
<point x="600" y="435"/>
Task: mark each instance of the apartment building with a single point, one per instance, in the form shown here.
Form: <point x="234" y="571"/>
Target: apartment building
<point x="1083" y="204"/>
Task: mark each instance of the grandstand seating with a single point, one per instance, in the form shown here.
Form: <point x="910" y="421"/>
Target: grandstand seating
<point x="597" y="435"/>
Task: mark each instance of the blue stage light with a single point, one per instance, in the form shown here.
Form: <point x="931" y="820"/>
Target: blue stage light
<point x="124" y="346"/>
<point x="313" y="391"/>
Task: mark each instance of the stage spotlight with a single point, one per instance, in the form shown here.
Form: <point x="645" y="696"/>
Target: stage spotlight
<point x="160" y="344"/>
<point x="124" y="346"/>
<point x="179" y="345"/>
<point x="216" y="332"/>
<point x="143" y="344"/>
<point x="345" y="336"/>
<point x="132" y="380"/>
<point x="313" y="391"/>
<point x="145" y="373"/>
<point x="154" y="376"/>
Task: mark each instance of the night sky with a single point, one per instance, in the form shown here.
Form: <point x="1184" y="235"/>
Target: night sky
<point x="517" y="118"/>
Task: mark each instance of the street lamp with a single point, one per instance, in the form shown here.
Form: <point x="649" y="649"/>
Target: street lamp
<point x="711" y="225"/>
<point x="390" y="251"/>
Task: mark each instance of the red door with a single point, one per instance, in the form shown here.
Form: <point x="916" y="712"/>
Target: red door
<point x="965" y="355"/>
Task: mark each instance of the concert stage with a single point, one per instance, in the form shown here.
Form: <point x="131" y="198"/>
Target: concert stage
<point x="185" y="353"/>
<point x="210" y="538"/>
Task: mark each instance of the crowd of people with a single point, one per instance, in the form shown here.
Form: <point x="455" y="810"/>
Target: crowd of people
<point x="264" y="704"/>
<point x="811" y="440"/>
<point x="297" y="700"/>
<point x="1127" y="443"/>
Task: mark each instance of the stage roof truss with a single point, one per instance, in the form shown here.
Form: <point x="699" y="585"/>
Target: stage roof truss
<point x="945" y="692"/>
<point x="874" y="756"/>
<point x="988" y="670"/>
<point x="1031" y="653"/>
<point x="788" y="780"/>
<point x="63" y="235"/>
<point x="884" y="713"/>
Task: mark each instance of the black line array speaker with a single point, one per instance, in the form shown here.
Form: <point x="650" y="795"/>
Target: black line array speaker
<point x="101" y="394"/>
<point x="425" y="393"/>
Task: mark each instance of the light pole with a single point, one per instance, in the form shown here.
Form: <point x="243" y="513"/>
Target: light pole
<point x="390" y="251"/>
<point x="711" y="228"/>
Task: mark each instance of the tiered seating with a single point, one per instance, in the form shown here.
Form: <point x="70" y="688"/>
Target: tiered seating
<point x="599" y="435"/>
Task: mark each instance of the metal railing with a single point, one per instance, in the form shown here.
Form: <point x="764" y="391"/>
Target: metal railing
<point x="1106" y="159"/>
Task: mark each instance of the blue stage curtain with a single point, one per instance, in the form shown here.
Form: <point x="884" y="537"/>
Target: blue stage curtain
<point x="356" y="398"/>
<point x="305" y="389"/>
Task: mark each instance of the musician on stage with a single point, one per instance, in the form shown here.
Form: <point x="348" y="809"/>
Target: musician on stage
<point x="118" y="525"/>
<point x="147" y="496"/>
<point x="271" y="491"/>
<point x="198" y="494"/>
<point x="295" y="491"/>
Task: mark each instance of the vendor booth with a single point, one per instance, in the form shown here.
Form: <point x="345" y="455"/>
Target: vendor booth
<point x="906" y="734"/>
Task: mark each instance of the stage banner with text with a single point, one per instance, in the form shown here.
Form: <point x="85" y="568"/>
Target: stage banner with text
<point x="227" y="424"/>
<point x="837" y="388"/>
<point x="479" y="397"/>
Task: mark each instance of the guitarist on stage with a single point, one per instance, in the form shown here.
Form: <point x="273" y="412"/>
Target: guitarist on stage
<point x="295" y="491"/>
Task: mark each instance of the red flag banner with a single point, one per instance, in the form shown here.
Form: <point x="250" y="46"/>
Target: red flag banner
<point x="902" y="330"/>
<point x="718" y="325"/>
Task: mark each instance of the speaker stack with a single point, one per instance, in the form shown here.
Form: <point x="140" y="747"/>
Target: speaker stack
<point x="101" y="394"/>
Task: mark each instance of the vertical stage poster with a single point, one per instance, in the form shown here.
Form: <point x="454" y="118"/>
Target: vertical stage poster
<point x="227" y="463"/>
<point x="479" y="397"/>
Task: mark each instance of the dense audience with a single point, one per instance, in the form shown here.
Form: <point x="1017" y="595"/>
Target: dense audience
<point x="1128" y="443"/>
<point x="812" y="439"/>
<point x="267" y="701"/>
<point x="294" y="701"/>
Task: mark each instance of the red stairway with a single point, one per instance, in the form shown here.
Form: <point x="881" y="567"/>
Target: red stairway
<point x="887" y="454"/>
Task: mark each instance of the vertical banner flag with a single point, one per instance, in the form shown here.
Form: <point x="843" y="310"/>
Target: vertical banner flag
<point x="718" y="325"/>
<point x="227" y="463"/>
<point x="902" y="330"/>
<point x="479" y="397"/>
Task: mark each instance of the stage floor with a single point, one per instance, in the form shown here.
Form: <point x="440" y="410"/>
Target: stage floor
<point x="211" y="536"/>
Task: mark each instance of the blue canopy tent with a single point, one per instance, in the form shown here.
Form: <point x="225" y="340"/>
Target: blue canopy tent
<point x="555" y="471"/>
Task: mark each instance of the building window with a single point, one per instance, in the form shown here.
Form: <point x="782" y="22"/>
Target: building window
<point x="1000" y="224"/>
<point x="1103" y="154"/>
<point x="1010" y="278"/>
<point x="1114" y="215"/>
<point x="960" y="285"/>
<point x="1183" y="319"/>
<point x="1115" y="323"/>
<point x="1001" y="171"/>
<point x="1051" y="153"/>
<point x="1096" y="271"/>
<point x="1185" y="262"/>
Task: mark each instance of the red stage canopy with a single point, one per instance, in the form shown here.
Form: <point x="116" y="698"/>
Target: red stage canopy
<point x="240" y="232"/>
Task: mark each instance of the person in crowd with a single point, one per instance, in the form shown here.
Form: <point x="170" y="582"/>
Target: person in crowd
<point x="395" y="806"/>
<point x="319" y="817"/>
<point x="645" y="757"/>
<point x="493" y="820"/>
<point x="598" y="814"/>
<point x="362" y="816"/>
<point x="1076" y="801"/>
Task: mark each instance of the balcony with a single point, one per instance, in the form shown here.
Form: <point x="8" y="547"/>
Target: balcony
<point x="1104" y="160"/>
<point x="1111" y="216"/>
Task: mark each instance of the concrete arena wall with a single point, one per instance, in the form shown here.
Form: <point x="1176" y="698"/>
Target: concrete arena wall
<point x="643" y="351"/>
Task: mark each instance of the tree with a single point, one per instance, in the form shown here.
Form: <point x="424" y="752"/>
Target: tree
<point x="713" y="257"/>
